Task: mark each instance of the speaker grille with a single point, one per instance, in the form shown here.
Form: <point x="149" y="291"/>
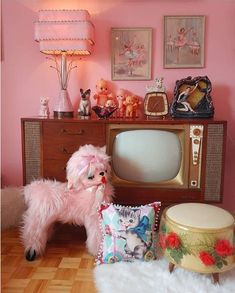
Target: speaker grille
<point x="214" y="161"/>
<point x="32" y="150"/>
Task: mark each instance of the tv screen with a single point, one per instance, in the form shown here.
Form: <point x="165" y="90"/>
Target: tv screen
<point x="146" y="155"/>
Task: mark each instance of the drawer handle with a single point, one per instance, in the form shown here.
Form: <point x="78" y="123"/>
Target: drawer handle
<point x="79" y="132"/>
<point x="65" y="151"/>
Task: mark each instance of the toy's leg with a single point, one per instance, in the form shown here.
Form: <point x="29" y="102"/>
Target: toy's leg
<point x="93" y="235"/>
<point x="171" y="267"/>
<point x="35" y="235"/>
<point x="215" y="278"/>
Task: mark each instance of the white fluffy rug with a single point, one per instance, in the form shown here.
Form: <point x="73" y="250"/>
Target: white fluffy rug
<point x="154" y="277"/>
<point x="12" y="207"/>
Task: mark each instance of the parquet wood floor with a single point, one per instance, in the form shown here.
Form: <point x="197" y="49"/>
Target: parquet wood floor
<point x="65" y="267"/>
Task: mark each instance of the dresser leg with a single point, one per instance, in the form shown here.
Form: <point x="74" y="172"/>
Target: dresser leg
<point x="171" y="267"/>
<point x="215" y="277"/>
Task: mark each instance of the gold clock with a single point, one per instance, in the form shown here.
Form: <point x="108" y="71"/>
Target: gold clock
<point x="155" y="104"/>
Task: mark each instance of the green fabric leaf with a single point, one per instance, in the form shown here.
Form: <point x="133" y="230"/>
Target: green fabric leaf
<point x="163" y="229"/>
<point x="184" y="250"/>
<point x="224" y="262"/>
<point x="176" y="255"/>
<point x="219" y="265"/>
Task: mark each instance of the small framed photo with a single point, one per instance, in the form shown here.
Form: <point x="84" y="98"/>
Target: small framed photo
<point x="131" y="53"/>
<point x="184" y="41"/>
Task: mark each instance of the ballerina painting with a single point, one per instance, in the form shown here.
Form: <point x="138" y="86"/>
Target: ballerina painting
<point x="131" y="53"/>
<point x="184" y="41"/>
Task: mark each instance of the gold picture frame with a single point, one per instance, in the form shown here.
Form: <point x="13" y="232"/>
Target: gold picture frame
<point x="184" y="41"/>
<point x="131" y="54"/>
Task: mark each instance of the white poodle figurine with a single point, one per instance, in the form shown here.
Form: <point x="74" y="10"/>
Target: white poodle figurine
<point x="157" y="87"/>
<point x="44" y="107"/>
<point x="74" y="202"/>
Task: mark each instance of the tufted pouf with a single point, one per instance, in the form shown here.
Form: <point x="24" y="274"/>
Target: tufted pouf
<point x="198" y="237"/>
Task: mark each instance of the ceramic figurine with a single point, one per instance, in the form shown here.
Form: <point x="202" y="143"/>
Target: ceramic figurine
<point x="121" y="96"/>
<point x="106" y="111"/>
<point x="136" y="105"/>
<point x="85" y="104"/>
<point x="183" y="97"/>
<point x="44" y="107"/>
<point x="192" y="98"/>
<point x="130" y="104"/>
<point x="102" y="94"/>
<point x="105" y="104"/>
<point x="157" y="87"/>
<point x="110" y="104"/>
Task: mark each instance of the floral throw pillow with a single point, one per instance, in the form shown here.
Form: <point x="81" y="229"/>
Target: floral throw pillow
<point x="129" y="233"/>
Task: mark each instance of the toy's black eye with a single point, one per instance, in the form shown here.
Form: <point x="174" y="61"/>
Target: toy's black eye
<point x="91" y="177"/>
<point x="131" y="220"/>
<point x="101" y="173"/>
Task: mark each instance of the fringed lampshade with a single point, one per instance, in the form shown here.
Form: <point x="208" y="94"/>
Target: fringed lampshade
<point x="64" y="32"/>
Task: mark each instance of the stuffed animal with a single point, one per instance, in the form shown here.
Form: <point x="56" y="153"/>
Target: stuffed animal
<point x="85" y="104"/>
<point x="102" y="94"/>
<point x="73" y="202"/>
<point x="44" y="107"/>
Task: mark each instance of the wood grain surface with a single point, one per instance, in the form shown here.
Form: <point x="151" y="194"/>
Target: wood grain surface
<point x="66" y="265"/>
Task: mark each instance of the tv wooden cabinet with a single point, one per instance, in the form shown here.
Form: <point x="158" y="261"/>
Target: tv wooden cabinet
<point x="47" y="144"/>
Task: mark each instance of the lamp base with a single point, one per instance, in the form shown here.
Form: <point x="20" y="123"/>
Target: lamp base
<point x="58" y="114"/>
<point x="64" y="108"/>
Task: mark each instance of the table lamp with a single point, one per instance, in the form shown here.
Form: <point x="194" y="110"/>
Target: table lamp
<point x="64" y="32"/>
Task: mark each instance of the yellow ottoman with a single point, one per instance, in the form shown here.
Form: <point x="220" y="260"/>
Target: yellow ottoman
<point x="198" y="237"/>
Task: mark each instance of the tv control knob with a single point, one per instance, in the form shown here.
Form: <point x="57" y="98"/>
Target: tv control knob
<point x="196" y="135"/>
<point x="194" y="183"/>
<point x="196" y="131"/>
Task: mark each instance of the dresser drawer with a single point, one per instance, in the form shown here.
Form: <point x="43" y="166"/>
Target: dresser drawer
<point x="55" y="169"/>
<point x="61" y="140"/>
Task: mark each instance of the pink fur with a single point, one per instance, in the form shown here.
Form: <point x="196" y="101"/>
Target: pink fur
<point x="75" y="202"/>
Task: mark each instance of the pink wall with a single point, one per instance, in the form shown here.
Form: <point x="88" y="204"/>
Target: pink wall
<point x="26" y="74"/>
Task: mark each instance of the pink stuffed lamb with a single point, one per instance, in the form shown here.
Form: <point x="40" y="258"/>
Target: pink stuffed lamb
<point x="74" y="202"/>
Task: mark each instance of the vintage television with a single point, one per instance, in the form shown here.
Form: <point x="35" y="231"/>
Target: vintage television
<point x="168" y="160"/>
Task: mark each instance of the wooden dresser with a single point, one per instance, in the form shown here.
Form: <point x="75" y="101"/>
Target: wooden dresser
<point x="48" y="143"/>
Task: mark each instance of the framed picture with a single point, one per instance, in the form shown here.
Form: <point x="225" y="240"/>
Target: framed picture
<point x="131" y="53"/>
<point x="192" y="98"/>
<point x="184" y="41"/>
